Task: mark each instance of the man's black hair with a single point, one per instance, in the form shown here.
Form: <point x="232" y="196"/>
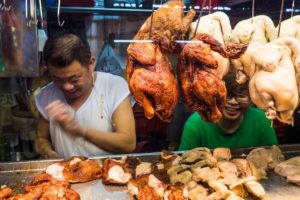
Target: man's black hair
<point x="62" y="50"/>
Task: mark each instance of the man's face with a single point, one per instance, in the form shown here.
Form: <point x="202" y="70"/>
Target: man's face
<point x="236" y="104"/>
<point x="74" y="80"/>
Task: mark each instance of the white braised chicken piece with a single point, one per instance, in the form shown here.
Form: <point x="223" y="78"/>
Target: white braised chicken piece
<point x="218" y="26"/>
<point x="262" y="159"/>
<point x="146" y="187"/>
<point x="290" y="169"/>
<point x="222" y="154"/>
<point x="75" y="169"/>
<point x="114" y="172"/>
<point x="243" y="167"/>
<point x="229" y="172"/>
<point x="198" y="193"/>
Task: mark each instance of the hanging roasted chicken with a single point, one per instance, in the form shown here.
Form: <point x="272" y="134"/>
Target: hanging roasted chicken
<point x="149" y="72"/>
<point x="168" y="25"/>
<point x="203" y="91"/>
<point x="151" y="80"/>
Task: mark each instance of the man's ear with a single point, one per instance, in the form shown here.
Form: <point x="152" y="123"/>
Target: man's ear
<point x="92" y="64"/>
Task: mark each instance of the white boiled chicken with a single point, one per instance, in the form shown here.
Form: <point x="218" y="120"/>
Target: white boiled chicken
<point x="273" y="86"/>
<point x="290" y="27"/>
<point x="254" y="31"/>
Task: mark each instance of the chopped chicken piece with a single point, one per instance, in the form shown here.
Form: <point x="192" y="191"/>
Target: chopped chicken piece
<point x="169" y="159"/>
<point x="177" y="191"/>
<point x="114" y="172"/>
<point x="198" y="193"/>
<point x="195" y="155"/>
<point x="205" y="174"/>
<point x="290" y="169"/>
<point x="222" y="154"/>
<point x="219" y="187"/>
<point x="209" y="161"/>
<point x="242" y="181"/>
<point x="74" y="170"/>
<point x="46" y="187"/>
<point x="229" y="172"/>
<point x="255" y="189"/>
<point x="146" y="187"/>
<point x="180" y="173"/>
<point x="261" y="159"/>
<point x="239" y="191"/>
<point x="5" y="192"/>
<point x="233" y="196"/>
<point x="143" y="168"/>
<point x="190" y="185"/>
<point x="243" y="167"/>
<point x="130" y="164"/>
<point x="158" y="170"/>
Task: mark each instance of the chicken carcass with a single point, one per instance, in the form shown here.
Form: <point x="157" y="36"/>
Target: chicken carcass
<point x="151" y="80"/>
<point x="273" y="86"/>
<point x="290" y="27"/>
<point x="218" y="26"/>
<point x="114" y="172"/>
<point x="203" y="91"/>
<point x="168" y="25"/>
<point x="75" y="169"/>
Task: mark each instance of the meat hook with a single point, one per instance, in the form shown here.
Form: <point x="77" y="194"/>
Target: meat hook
<point x="58" y="15"/>
<point x="252" y="11"/>
<point x="200" y="15"/>
<point x="293" y="7"/>
<point x="280" y="18"/>
<point x="151" y="20"/>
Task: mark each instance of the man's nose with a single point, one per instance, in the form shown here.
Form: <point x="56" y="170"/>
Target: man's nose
<point x="67" y="86"/>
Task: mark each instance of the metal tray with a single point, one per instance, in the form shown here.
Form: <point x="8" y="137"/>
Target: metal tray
<point x="16" y="174"/>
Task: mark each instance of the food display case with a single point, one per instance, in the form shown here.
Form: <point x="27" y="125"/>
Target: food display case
<point x="15" y="175"/>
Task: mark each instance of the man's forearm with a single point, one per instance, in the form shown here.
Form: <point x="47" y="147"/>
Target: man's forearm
<point x="112" y="142"/>
<point x="43" y="147"/>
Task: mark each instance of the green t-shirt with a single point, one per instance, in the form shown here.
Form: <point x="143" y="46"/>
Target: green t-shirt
<point x="255" y="130"/>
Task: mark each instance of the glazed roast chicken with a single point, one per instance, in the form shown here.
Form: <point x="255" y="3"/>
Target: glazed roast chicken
<point x="168" y="25"/>
<point x="151" y="80"/>
<point x="75" y="169"/>
<point x="203" y="91"/>
<point x="148" y="70"/>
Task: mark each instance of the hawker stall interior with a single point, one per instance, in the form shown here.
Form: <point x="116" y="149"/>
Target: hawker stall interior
<point x="149" y="99"/>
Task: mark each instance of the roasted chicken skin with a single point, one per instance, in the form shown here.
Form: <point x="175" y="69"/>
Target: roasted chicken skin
<point x="151" y="80"/>
<point x="75" y="169"/>
<point x="168" y="25"/>
<point x="203" y="91"/>
<point x="5" y="193"/>
<point x="114" y="172"/>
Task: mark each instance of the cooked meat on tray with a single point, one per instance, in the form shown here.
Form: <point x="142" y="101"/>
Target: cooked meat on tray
<point x="5" y="192"/>
<point x="75" y="169"/>
<point x="114" y="172"/>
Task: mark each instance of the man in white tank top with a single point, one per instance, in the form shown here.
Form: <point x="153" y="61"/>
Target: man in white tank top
<point x="82" y="112"/>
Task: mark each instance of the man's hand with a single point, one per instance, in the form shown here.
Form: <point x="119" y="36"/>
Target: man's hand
<point x="59" y="112"/>
<point x="52" y="154"/>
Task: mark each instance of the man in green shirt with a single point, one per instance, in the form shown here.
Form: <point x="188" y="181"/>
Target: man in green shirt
<point x="241" y="125"/>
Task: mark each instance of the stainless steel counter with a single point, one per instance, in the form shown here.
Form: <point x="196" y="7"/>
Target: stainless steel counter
<point x="15" y="174"/>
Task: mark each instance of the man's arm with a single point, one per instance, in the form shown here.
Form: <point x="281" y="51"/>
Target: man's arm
<point x="123" y="139"/>
<point x="42" y="144"/>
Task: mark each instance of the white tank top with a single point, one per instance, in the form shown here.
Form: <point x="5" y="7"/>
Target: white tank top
<point x="96" y="112"/>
